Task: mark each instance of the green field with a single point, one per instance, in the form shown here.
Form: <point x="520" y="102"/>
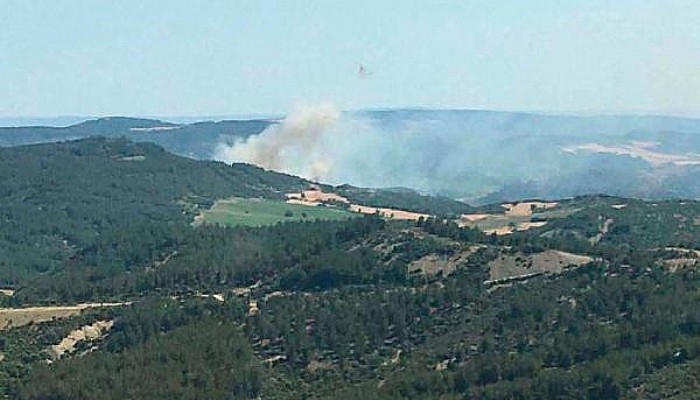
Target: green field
<point x="260" y="212"/>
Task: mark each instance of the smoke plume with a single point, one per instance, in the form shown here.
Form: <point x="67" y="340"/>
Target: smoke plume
<point x="464" y="154"/>
<point x="293" y="146"/>
<point x="322" y="144"/>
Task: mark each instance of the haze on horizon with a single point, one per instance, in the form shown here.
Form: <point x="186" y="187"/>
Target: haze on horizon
<point x="172" y="58"/>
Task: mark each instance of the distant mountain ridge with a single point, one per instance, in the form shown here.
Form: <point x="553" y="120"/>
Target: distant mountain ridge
<point x="485" y="156"/>
<point x="477" y="156"/>
<point x="196" y="140"/>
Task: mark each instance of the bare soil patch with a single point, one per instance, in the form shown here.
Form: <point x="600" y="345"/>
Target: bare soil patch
<point x="434" y="264"/>
<point x="14" y="317"/>
<point x="85" y="333"/>
<point x="520" y="265"/>
<point x="690" y="259"/>
<point x="604" y="229"/>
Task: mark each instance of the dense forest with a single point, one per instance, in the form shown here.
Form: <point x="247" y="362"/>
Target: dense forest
<point x="365" y="307"/>
<point x="56" y="199"/>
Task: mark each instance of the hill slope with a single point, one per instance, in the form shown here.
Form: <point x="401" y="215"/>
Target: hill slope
<point x="56" y="198"/>
<point x="478" y="156"/>
<point x="596" y="300"/>
<point x="197" y="140"/>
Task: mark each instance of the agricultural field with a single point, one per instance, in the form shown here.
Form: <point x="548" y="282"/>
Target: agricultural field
<point x="261" y="212"/>
<point x="516" y="218"/>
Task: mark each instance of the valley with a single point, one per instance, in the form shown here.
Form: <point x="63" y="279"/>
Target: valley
<point x="342" y="200"/>
<point x="534" y="298"/>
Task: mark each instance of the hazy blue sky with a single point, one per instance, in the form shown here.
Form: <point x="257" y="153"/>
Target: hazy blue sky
<point x="238" y="57"/>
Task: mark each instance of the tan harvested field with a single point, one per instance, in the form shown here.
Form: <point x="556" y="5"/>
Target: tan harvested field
<point x="14" y="317"/>
<point x="501" y="225"/>
<point x="388" y="212"/>
<point x="524" y="226"/>
<point x="473" y="217"/>
<point x="527" y="208"/>
<point x="303" y="202"/>
<point x="317" y="196"/>
<point x="85" y="333"/>
<point x="516" y="217"/>
<point x="520" y="265"/>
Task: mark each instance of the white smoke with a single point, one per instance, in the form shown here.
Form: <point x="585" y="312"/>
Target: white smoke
<point x="462" y="154"/>
<point x="293" y="146"/>
<point x="318" y="143"/>
<point x="325" y="145"/>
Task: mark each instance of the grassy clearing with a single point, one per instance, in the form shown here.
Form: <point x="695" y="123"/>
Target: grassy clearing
<point x="260" y="212"/>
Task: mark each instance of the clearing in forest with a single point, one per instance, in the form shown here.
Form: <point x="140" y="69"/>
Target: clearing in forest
<point x="14" y="317"/>
<point x="515" y="266"/>
<point x="390" y="213"/>
<point x="316" y="197"/>
<point x="515" y="218"/>
<point x="526" y="209"/>
<point x="434" y="264"/>
<point x="86" y="333"/>
<point x="261" y="212"/>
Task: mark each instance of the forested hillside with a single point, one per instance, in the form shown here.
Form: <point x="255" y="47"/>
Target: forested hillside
<point x="596" y="299"/>
<point x="197" y="140"/>
<point x="405" y="199"/>
<point x="56" y="199"/>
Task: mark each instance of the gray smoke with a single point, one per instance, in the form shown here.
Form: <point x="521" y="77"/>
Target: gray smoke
<point x="294" y="146"/>
<point x="323" y="144"/>
<point x="464" y="154"/>
<point x="367" y="149"/>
